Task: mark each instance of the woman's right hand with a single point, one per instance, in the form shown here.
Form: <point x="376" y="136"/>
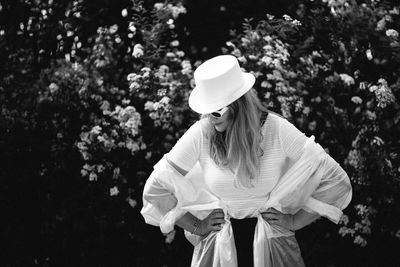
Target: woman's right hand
<point x="213" y="222"/>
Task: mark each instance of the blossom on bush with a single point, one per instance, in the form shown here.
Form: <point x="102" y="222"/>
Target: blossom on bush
<point x="347" y="79"/>
<point x="268" y="57"/>
<point x="356" y="100"/>
<point x="360" y="229"/>
<point x="114" y="191"/>
<point x="392" y="33"/>
<point x="383" y="93"/>
<point x="138" y="51"/>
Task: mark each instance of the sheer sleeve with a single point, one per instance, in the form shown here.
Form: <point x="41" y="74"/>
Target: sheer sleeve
<point x="160" y="193"/>
<point x="332" y="191"/>
<point x="186" y="151"/>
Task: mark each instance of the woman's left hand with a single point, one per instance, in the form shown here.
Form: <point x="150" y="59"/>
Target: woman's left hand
<point x="275" y="217"/>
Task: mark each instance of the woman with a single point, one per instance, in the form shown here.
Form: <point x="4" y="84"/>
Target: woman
<point x="261" y="177"/>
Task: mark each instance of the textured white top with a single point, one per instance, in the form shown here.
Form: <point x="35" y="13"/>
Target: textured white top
<point x="282" y="145"/>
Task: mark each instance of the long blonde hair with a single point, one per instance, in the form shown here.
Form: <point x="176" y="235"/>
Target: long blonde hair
<point x="238" y="148"/>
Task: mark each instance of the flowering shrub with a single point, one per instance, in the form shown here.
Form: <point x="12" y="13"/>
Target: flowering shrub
<point x="95" y="102"/>
<point x="114" y="96"/>
<point x="267" y="57"/>
<point x="114" y="111"/>
<point x="343" y="91"/>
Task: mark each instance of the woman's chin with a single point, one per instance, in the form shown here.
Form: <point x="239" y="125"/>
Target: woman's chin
<point x="219" y="128"/>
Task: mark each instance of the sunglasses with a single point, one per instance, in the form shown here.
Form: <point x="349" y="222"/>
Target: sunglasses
<point x="219" y="113"/>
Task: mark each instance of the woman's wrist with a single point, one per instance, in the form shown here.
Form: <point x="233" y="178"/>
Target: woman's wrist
<point x="292" y="223"/>
<point x="302" y="219"/>
<point x="197" y="228"/>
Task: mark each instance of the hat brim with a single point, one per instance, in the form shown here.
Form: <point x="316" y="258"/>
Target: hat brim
<point x="198" y="105"/>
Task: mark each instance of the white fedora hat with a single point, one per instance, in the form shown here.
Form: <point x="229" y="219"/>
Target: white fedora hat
<point x="219" y="82"/>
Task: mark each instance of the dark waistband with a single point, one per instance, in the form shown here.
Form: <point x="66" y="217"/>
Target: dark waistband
<point x="244" y="223"/>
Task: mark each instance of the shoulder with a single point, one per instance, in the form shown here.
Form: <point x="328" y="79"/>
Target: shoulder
<point x="199" y="127"/>
<point x="274" y="121"/>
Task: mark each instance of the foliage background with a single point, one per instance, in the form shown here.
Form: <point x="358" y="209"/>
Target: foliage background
<point x="93" y="93"/>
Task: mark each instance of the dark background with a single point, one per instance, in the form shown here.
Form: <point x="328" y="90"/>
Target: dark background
<point x="60" y="219"/>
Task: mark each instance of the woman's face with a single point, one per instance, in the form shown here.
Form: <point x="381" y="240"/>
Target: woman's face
<point x="221" y="124"/>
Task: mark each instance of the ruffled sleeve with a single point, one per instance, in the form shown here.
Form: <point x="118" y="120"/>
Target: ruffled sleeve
<point x="160" y="193"/>
<point x="326" y="188"/>
<point x="333" y="193"/>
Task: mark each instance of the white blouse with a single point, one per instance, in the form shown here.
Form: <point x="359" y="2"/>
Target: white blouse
<point x="282" y="146"/>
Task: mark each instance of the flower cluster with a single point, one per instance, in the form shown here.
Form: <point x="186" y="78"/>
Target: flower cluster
<point x="361" y="228"/>
<point x="383" y="93"/>
<point x="347" y="79"/>
<point x="267" y="57"/>
<point x="120" y="130"/>
<point x="176" y="11"/>
<point x="159" y="112"/>
<point x="334" y="86"/>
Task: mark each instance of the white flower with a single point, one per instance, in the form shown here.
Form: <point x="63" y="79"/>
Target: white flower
<point x="384" y="94"/>
<point x="105" y="106"/>
<point x="149" y="105"/>
<point x="138" y="51"/>
<point x="176" y="10"/>
<point x="245" y="41"/>
<point x="395" y="11"/>
<point x="369" y="54"/>
<point x="124" y="12"/>
<point x="131" y="202"/>
<point x="360" y="241"/>
<point x="370" y="115"/>
<point x="373" y="88"/>
<point x="347" y="79"/>
<point x="100" y="168"/>
<point x="158" y="6"/>
<point x="230" y="44"/>
<point x="116" y="173"/>
<point x="296" y="22"/>
<point x="134" y="86"/>
<point x="265" y="84"/>
<point x="96" y="130"/>
<point x="170" y="54"/>
<point x="392" y="34"/>
<point x="287" y="17"/>
<point x="92" y="176"/>
<point x="356" y="100"/>
<point x="84" y="172"/>
<point x="131" y="145"/>
<point x="165" y="100"/>
<point x="114" y="191"/>
<point x="180" y="53"/>
<point x="266" y="60"/>
<point x="380" y="26"/>
<point x="174" y="43"/>
<point x="363" y="85"/>
<point x="126" y="101"/>
<point x="242" y="59"/>
<point x="186" y="67"/>
<point x="113" y="28"/>
<point x="253" y="57"/>
<point x="53" y="88"/>
<point x="132" y="27"/>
